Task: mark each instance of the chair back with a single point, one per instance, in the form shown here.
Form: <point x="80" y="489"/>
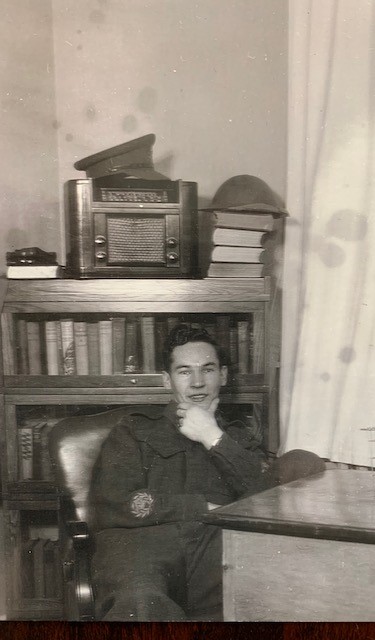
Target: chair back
<point x="74" y="445"/>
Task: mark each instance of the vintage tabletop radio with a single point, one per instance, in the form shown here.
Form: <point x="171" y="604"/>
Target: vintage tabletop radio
<point x="129" y="227"/>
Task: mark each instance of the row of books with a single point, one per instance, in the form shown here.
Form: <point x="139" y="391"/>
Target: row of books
<point x="41" y="569"/>
<point x="232" y="244"/>
<point x="33" y="455"/>
<point x="123" y="344"/>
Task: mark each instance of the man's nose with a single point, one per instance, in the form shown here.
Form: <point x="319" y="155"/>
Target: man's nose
<point x="197" y="379"/>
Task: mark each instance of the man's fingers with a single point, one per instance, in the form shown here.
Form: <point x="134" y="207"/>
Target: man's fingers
<point x="183" y="405"/>
<point x="214" y="405"/>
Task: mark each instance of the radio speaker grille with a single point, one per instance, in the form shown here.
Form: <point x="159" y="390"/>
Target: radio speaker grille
<point x="136" y="240"/>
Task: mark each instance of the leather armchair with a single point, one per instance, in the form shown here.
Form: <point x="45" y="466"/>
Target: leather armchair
<point x="74" y="445"/>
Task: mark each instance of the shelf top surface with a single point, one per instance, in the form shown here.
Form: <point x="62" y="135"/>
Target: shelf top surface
<point x="148" y="290"/>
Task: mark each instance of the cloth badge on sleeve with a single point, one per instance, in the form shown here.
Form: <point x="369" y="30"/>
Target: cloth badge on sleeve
<point x="142" y="504"/>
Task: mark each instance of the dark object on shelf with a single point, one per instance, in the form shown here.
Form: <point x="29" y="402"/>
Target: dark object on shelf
<point x="31" y="256"/>
<point x="247" y="193"/>
<point x="133" y="158"/>
<point x="121" y="228"/>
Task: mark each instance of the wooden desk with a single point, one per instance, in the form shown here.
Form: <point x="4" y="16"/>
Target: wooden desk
<point x="304" y="551"/>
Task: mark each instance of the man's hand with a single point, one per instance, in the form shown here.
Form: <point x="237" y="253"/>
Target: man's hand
<point x="199" y="424"/>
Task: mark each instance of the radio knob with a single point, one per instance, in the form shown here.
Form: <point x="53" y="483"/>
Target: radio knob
<point x="172" y="242"/>
<point x="100" y="240"/>
<point x="172" y="257"/>
<point x="100" y="255"/>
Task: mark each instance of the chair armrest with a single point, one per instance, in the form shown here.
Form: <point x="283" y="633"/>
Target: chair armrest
<point x="78" y="531"/>
<point x="78" y="590"/>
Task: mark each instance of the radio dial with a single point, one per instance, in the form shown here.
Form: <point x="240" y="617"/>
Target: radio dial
<point x="172" y="242"/>
<point x="172" y="257"/>
<point x="100" y="255"/>
<point x="100" y="240"/>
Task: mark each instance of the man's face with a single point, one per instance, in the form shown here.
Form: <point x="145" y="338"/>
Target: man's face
<point x="195" y="375"/>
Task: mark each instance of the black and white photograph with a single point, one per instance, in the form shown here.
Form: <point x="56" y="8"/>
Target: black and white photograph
<point x="187" y="404"/>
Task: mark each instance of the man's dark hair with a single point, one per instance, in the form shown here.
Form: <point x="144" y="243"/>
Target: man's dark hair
<point x="182" y="334"/>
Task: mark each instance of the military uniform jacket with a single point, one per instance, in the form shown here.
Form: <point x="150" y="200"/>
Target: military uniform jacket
<point x="148" y="473"/>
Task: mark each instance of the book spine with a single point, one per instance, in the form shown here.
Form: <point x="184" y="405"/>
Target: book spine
<point x="233" y="348"/>
<point x="232" y="220"/>
<point x="172" y="321"/>
<point x="37" y="472"/>
<point x="45" y="460"/>
<point x="67" y="343"/>
<point x="237" y="237"/>
<point x="34" y="347"/>
<point x="131" y="347"/>
<point x="27" y="568"/>
<point x="210" y="326"/>
<point x="257" y="342"/>
<point x="60" y="348"/>
<point x="57" y="567"/>
<point x="105" y="347"/>
<point x="31" y="272"/>
<point x="93" y="347"/>
<point x="243" y="346"/>
<point x="22" y="348"/>
<point x="38" y="566"/>
<point x="235" y="270"/>
<point x="52" y="348"/>
<point x="148" y="343"/>
<point x="222" y="333"/>
<point x="160" y="337"/>
<point x="49" y="570"/>
<point x="81" y="348"/>
<point x="118" y="345"/>
<point x="25" y="453"/>
<point x="224" y="253"/>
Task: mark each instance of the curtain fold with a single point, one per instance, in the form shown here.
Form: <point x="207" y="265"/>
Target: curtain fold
<point x="327" y="389"/>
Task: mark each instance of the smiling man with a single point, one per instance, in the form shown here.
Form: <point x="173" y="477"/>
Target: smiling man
<point x="159" y="470"/>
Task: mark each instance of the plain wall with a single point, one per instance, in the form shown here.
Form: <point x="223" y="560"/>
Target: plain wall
<point x="209" y="78"/>
<point x="29" y="179"/>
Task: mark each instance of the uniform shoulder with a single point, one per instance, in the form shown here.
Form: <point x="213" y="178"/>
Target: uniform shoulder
<point x="243" y="426"/>
<point x="137" y="421"/>
<point x="139" y="418"/>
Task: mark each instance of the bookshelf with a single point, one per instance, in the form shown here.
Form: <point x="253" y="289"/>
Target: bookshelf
<point x="49" y="331"/>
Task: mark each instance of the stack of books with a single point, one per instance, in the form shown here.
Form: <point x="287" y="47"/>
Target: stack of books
<point x="232" y="243"/>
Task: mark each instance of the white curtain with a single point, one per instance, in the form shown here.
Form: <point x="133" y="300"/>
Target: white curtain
<point x="328" y="343"/>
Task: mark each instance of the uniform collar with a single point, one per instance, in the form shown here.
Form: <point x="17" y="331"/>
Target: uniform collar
<point x="163" y="436"/>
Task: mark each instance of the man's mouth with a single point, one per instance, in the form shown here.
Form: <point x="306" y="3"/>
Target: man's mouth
<point x="199" y="397"/>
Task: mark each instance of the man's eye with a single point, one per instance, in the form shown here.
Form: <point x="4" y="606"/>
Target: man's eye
<point x="209" y="370"/>
<point x="184" y="372"/>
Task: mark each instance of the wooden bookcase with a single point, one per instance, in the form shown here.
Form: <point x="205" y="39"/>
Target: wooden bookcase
<point x="28" y="398"/>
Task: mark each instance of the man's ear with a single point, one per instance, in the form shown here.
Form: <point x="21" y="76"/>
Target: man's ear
<point x="223" y="375"/>
<point x="166" y="380"/>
